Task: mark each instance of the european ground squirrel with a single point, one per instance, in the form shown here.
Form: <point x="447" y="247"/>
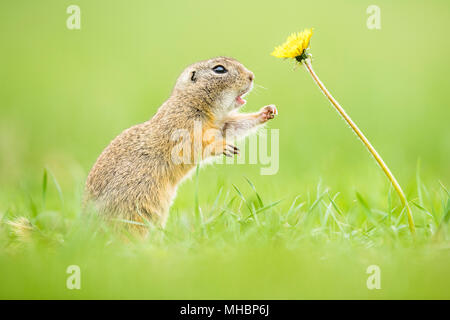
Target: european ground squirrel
<point x="137" y="175"/>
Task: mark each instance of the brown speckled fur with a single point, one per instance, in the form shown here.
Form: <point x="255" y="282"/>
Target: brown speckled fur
<point x="135" y="177"/>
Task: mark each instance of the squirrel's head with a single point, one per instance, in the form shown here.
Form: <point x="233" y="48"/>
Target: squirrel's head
<point x="220" y="83"/>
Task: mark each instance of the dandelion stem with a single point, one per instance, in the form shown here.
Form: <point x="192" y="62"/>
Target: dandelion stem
<point x="384" y="167"/>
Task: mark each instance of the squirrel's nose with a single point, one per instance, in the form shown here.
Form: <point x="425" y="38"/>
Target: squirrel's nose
<point x="251" y="76"/>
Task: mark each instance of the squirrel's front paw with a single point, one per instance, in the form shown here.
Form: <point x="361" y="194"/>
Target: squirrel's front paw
<point x="230" y="150"/>
<point x="267" y="113"/>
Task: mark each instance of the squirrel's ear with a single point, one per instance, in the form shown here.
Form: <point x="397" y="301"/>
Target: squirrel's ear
<point x="188" y="77"/>
<point x="193" y="77"/>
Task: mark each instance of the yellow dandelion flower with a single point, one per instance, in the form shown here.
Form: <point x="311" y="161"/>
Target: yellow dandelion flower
<point x="295" y="46"/>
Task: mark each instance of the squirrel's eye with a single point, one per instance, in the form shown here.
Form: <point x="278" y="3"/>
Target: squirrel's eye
<point x="219" y="69"/>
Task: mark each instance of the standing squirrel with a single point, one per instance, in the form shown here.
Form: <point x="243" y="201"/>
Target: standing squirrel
<point x="136" y="177"/>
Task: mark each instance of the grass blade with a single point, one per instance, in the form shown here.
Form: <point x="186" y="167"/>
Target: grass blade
<point x="260" y="202"/>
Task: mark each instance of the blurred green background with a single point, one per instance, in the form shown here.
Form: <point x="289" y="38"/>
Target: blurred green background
<point x="65" y="94"/>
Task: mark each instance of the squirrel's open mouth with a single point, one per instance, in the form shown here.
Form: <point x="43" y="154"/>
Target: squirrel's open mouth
<point x="239" y="99"/>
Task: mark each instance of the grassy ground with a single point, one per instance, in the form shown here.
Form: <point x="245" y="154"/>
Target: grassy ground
<point x="309" y="231"/>
<point x="239" y="246"/>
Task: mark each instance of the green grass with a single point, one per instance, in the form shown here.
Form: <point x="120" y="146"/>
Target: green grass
<point x="309" y="231"/>
<point x="241" y="245"/>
